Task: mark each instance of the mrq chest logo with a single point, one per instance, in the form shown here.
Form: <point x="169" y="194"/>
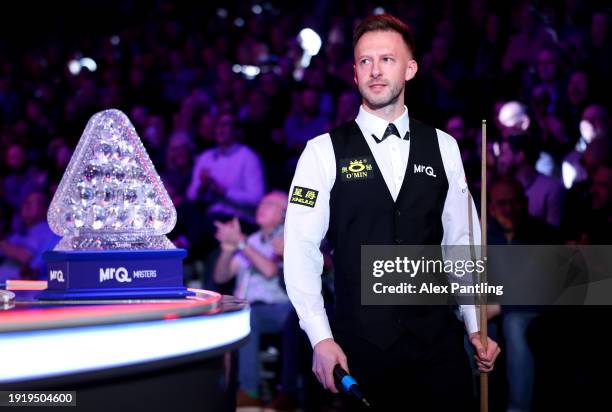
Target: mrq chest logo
<point x="122" y="275"/>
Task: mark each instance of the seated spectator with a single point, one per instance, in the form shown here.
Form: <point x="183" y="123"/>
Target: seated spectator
<point x="179" y="161"/>
<point x="456" y="127"/>
<point x="577" y="96"/>
<point x="443" y="75"/>
<point x="348" y="107"/>
<point x="256" y="263"/>
<point x="60" y="153"/>
<point x="594" y="124"/>
<point x="22" y="178"/>
<point x="596" y="224"/>
<point x="531" y="36"/>
<point x="513" y="119"/>
<point x="546" y="75"/>
<point x="511" y="224"/>
<point x="601" y="192"/>
<point x="545" y="194"/>
<point x="548" y="127"/>
<point x="598" y="46"/>
<point x="21" y="252"/>
<point x="578" y="200"/>
<point x="192" y="231"/>
<point x="229" y="177"/>
<point x="306" y="121"/>
<point x="153" y="137"/>
<point x="258" y="121"/>
<point x="205" y="132"/>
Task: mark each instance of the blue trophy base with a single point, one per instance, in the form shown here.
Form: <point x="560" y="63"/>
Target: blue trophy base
<point x="116" y="274"/>
<point x="132" y="293"/>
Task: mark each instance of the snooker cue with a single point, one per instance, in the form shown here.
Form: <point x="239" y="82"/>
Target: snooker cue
<point x="484" y="376"/>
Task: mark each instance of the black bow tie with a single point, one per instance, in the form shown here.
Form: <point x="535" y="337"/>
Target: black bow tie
<point x="391" y="129"/>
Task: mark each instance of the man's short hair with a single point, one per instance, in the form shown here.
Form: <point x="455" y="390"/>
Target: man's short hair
<point x="526" y="144"/>
<point x="509" y="182"/>
<point x="384" y="22"/>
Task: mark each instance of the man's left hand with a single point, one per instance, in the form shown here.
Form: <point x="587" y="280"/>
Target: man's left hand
<point x="485" y="359"/>
<point x="229" y="232"/>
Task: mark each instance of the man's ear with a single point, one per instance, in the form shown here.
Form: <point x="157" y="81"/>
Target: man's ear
<point x="355" y="74"/>
<point x="411" y="69"/>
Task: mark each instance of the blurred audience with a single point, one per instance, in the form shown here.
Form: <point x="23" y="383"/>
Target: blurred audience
<point x="545" y="194"/>
<point x="224" y="99"/>
<point x="21" y="252"/>
<point x="229" y="176"/>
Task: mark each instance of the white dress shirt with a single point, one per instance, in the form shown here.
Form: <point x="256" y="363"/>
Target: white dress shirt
<point x="305" y="227"/>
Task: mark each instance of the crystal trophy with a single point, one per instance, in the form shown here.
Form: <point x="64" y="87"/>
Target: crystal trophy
<point x="113" y="213"/>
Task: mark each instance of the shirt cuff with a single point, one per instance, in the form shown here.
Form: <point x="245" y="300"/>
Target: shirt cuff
<point x="470" y="318"/>
<point x="317" y="329"/>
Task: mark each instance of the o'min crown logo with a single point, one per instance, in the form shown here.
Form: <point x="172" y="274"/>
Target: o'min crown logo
<point x="356" y="169"/>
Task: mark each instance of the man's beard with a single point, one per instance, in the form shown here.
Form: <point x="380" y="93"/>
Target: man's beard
<point x="380" y="101"/>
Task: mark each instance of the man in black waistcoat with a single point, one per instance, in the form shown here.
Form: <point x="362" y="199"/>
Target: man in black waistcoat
<point x="383" y="179"/>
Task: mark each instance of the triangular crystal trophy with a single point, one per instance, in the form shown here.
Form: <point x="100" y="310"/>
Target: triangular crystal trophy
<point x="113" y="214"/>
<point x="110" y="196"/>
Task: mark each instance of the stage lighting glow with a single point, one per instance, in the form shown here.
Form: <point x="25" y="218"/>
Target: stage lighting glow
<point x="378" y="10"/>
<point x="251" y="71"/>
<point x="222" y="13"/>
<point x="545" y="164"/>
<point x="496" y="149"/>
<point x="256" y="9"/>
<point x="310" y="41"/>
<point x="115" y="40"/>
<point x="568" y="173"/>
<point x="42" y="354"/>
<point x="514" y="115"/>
<point x="298" y="73"/>
<point x="89" y="64"/>
<point x="239" y="22"/>
<point x="304" y="62"/>
<point x="74" y="67"/>
<point x="587" y="131"/>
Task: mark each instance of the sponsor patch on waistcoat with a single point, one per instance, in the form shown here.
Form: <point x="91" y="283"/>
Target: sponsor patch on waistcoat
<point x="359" y="168"/>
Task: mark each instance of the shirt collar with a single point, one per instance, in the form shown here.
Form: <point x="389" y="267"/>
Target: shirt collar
<point x="376" y="125"/>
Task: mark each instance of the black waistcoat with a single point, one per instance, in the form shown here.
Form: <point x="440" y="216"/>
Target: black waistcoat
<point x="362" y="212"/>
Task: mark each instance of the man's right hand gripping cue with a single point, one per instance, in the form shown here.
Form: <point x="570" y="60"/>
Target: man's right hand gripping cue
<point x="327" y="354"/>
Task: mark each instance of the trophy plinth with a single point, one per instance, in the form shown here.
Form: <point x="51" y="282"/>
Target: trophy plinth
<point x="115" y="274"/>
<point x="113" y="214"/>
